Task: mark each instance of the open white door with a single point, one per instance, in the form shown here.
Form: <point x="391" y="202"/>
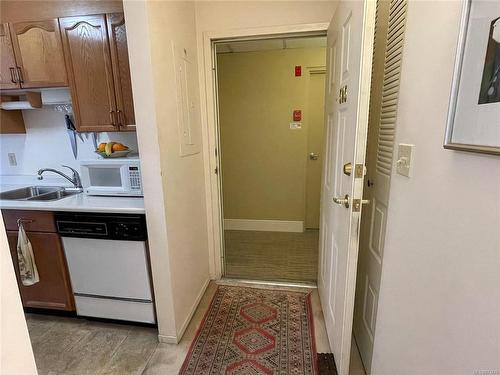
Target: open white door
<point x="350" y="47"/>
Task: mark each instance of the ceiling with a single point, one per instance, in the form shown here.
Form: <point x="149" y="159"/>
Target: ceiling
<point x="271" y="44"/>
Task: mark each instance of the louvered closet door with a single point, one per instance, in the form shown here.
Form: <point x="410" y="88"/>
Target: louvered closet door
<point x="388" y="48"/>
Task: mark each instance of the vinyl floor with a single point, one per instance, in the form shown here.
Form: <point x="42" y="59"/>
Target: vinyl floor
<point x="72" y="346"/>
<point x="271" y="256"/>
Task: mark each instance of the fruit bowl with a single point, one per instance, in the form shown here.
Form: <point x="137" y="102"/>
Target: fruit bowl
<point x="112" y="150"/>
<point x="115" y="154"/>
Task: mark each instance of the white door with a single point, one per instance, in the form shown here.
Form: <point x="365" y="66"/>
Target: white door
<point x="391" y="19"/>
<point x="350" y="44"/>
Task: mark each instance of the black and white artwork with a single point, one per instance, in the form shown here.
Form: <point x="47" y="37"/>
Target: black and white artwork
<point x="490" y="84"/>
<point x="474" y="111"/>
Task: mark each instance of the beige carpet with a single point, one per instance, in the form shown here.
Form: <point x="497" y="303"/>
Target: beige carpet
<point x="272" y="256"/>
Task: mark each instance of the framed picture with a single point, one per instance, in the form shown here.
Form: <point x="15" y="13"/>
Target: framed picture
<point x="474" y="111"/>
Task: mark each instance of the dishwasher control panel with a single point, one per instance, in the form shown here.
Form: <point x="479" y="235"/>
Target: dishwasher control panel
<point x="127" y="227"/>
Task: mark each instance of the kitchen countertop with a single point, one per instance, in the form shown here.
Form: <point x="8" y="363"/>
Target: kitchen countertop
<point x="76" y="203"/>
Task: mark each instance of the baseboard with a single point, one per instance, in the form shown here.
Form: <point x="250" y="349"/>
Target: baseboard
<point x="192" y="311"/>
<point x="264" y="225"/>
<point x="167" y="339"/>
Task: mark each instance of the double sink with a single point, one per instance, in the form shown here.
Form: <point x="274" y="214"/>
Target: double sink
<point x="38" y="193"/>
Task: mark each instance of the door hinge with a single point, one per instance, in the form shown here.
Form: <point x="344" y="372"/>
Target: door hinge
<point x="359" y="171"/>
<point x="216" y="153"/>
<point x="216" y="170"/>
<point x="342" y="95"/>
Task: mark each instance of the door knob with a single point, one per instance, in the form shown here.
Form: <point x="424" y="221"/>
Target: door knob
<point x="348" y="169"/>
<point x="313" y="156"/>
<point x="342" y="201"/>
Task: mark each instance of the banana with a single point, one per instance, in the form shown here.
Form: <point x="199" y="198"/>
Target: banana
<point x="109" y="148"/>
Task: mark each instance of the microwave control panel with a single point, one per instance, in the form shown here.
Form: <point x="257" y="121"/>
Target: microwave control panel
<point x="134" y="177"/>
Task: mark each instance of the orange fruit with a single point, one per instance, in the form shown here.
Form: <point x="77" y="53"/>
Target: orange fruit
<point x="119" y="147"/>
<point x="101" y="147"/>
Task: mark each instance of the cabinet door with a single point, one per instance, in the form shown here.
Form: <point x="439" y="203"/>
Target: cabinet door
<point x="39" y="55"/>
<point x="8" y="73"/>
<point x="121" y="70"/>
<point x="88" y="63"/>
<point x="53" y="291"/>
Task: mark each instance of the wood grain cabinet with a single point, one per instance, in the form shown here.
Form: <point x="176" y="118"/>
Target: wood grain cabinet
<point x="121" y="71"/>
<point x="7" y="60"/>
<point x="95" y="50"/>
<point x="53" y="291"/>
<point x="31" y="55"/>
<point x="39" y="55"/>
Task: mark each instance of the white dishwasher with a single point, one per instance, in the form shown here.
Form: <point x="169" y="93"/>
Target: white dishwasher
<point x="108" y="265"/>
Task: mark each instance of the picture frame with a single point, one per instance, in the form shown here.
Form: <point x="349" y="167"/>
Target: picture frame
<point x="473" y="122"/>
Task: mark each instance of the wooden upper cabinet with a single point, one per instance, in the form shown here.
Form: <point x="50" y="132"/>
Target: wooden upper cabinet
<point x="39" y="55"/>
<point x="88" y="64"/>
<point x="7" y="61"/>
<point x="121" y="70"/>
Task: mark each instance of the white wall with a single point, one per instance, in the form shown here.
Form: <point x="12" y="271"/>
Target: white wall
<point x="46" y="144"/>
<point x="141" y="68"/>
<point x="16" y="354"/>
<point x="175" y="204"/>
<point x="227" y="15"/>
<point x="439" y="304"/>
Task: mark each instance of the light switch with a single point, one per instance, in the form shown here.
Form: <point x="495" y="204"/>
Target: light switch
<point x="405" y="154"/>
<point x="295" y="125"/>
<point x="12" y="159"/>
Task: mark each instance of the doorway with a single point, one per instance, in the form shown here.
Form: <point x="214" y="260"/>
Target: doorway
<point x="270" y="105"/>
<point x="349" y="52"/>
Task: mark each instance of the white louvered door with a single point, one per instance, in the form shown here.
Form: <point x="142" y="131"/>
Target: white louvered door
<point x="350" y="42"/>
<point x="388" y="48"/>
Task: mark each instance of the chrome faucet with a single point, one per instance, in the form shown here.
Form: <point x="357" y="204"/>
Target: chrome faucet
<point x="75" y="180"/>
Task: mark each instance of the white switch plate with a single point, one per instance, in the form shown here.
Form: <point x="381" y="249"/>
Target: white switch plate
<point x="12" y="159"/>
<point x="405" y="155"/>
<point x="295" y="125"/>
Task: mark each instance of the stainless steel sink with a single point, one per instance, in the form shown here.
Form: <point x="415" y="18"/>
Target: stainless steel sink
<point x="37" y="193"/>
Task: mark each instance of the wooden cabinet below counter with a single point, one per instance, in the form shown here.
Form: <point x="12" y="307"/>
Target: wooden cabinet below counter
<point x="53" y="291"/>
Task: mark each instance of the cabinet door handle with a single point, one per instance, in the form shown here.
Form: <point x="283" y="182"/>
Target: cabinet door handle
<point x="23" y="221"/>
<point x="20" y="74"/>
<point x="119" y="114"/>
<point x="13" y="75"/>
<point x="112" y="117"/>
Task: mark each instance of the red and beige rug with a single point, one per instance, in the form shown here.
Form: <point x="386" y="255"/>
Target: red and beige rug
<point x="252" y="332"/>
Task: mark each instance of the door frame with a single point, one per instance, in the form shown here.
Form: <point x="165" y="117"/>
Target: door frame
<point x="310" y="70"/>
<point x="210" y="129"/>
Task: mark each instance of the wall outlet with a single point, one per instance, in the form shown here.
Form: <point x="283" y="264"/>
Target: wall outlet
<point x="12" y="159"/>
<point x="405" y="155"/>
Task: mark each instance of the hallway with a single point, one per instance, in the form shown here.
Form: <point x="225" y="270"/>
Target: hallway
<point x="272" y="256"/>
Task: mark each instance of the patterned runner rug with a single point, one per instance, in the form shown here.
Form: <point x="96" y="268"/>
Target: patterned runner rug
<point x="252" y="332"/>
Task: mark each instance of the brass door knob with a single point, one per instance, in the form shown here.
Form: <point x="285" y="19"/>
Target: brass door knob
<point x="342" y="201"/>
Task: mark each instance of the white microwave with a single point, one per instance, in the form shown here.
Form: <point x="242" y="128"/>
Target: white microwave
<point x="114" y="177"/>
